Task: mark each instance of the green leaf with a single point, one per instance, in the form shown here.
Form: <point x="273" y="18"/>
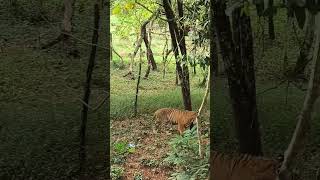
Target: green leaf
<point x="129" y="6"/>
<point x="245" y="10"/>
<point x="116" y="10"/>
<point x="132" y="150"/>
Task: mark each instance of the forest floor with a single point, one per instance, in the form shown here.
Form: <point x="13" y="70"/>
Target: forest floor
<point x="150" y="149"/>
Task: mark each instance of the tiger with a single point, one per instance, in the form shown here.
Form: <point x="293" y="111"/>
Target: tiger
<point x="243" y="167"/>
<point x="184" y="119"/>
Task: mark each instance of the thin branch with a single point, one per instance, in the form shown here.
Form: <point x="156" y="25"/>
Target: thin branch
<point x="117" y="53"/>
<point x="204" y="101"/>
<point x="146" y="8"/>
<point x="269" y="89"/>
<point x="95" y="108"/>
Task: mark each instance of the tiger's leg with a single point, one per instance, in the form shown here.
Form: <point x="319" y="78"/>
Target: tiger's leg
<point x="155" y="125"/>
<point x="181" y="128"/>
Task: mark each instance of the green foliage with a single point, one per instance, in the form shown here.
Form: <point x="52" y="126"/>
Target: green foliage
<point x="117" y="172"/>
<point x="127" y="16"/>
<point x="138" y="176"/>
<point x="185" y="155"/>
<point x="121" y="149"/>
<point x="245" y="10"/>
<point x="196" y="19"/>
<point x="149" y="162"/>
<point x="34" y="11"/>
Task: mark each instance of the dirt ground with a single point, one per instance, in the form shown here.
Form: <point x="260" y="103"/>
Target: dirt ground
<point x="150" y="148"/>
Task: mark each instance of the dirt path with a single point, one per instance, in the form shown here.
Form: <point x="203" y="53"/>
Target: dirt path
<point x="150" y="148"/>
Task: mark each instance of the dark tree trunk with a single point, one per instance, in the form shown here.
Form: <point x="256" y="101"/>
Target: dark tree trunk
<point x="177" y="77"/>
<point x="149" y="50"/>
<point x="87" y="88"/>
<point x="67" y="26"/>
<point x="107" y="115"/>
<point x="178" y="36"/>
<point x="148" y="71"/>
<point x="271" y="24"/>
<point x="111" y="57"/>
<point x="214" y="50"/>
<point x="239" y="65"/>
<point x="137" y="87"/>
<point x="305" y="55"/>
<point x="212" y="83"/>
<point x="143" y="35"/>
<point x="150" y="58"/>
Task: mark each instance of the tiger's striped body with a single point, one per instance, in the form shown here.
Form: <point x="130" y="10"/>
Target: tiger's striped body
<point x="242" y="167"/>
<point x="175" y="116"/>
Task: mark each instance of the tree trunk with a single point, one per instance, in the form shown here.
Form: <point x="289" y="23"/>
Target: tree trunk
<point x="137" y="88"/>
<point x="299" y="137"/>
<point x="67" y="17"/>
<point x="87" y="88"/>
<point x="165" y="55"/>
<point x="178" y="43"/>
<point x="213" y="48"/>
<point x="107" y="108"/>
<point x="238" y="58"/>
<point x="139" y="42"/>
<point x="149" y="50"/>
<point x="150" y="58"/>
<point x="148" y="71"/>
<point x="271" y="24"/>
<point x="213" y="54"/>
<point x="66" y="25"/>
<point x="153" y="62"/>
<point x="305" y="55"/>
<point x="177" y="76"/>
<point x="111" y="45"/>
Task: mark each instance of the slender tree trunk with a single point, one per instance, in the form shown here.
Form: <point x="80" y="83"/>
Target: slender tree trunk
<point x="137" y="88"/>
<point x="66" y="25"/>
<point x="238" y="58"/>
<point x="178" y="43"/>
<point x="177" y="76"/>
<point x="271" y="24"/>
<point x="87" y="88"/>
<point x="165" y="55"/>
<point x="148" y="71"/>
<point x="299" y="137"/>
<point x="193" y="63"/>
<point x="150" y="58"/>
<point x="142" y="36"/>
<point x="150" y="53"/>
<point x="305" y="55"/>
<point x="107" y="115"/>
<point x="67" y="17"/>
<point x="111" y="45"/>
<point x="132" y="56"/>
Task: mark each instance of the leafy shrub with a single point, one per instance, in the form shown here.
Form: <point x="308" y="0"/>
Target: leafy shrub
<point x="185" y="155"/>
<point x="149" y="162"/>
<point x="138" y="176"/>
<point x="121" y="149"/>
<point x="117" y="172"/>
